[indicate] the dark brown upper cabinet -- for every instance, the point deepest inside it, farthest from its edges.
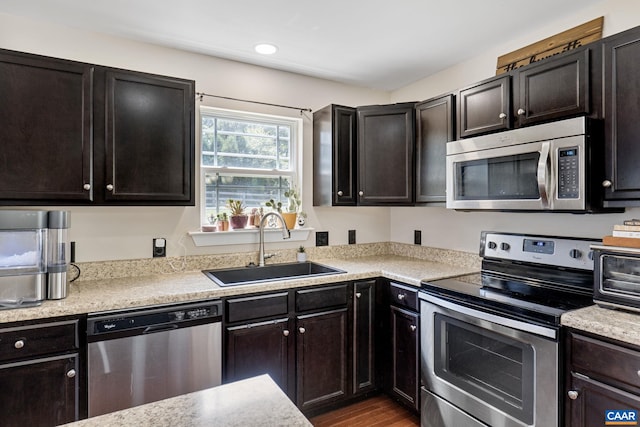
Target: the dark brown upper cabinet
(435, 126)
(621, 77)
(485, 107)
(79, 134)
(386, 141)
(334, 156)
(553, 89)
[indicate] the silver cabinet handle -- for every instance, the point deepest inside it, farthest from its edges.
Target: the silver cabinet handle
(340, 193)
(502, 116)
(110, 187)
(521, 112)
(19, 344)
(87, 187)
(360, 193)
(573, 395)
(413, 328)
(358, 294)
(606, 183)
(285, 333)
(401, 297)
(71, 373)
(302, 330)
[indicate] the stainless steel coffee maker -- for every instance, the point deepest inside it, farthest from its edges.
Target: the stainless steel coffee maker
(34, 250)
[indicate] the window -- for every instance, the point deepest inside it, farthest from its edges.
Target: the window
(246, 156)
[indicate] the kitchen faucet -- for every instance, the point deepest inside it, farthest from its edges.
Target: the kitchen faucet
(285, 235)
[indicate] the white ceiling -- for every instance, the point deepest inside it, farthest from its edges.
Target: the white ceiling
(382, 44)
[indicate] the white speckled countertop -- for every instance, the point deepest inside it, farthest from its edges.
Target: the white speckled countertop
(256, 401)
(613, 324)
(91, 296)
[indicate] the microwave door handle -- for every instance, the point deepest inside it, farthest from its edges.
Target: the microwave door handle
(543, 173)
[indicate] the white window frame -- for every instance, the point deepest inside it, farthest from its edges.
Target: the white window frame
(295, 155)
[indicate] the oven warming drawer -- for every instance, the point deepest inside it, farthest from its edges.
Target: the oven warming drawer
(437, 412)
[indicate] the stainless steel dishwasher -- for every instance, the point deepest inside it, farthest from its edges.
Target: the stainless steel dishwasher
(145, 355)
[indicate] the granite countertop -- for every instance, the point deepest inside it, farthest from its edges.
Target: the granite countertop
(121, 293)
(619, 325)
(256, 401)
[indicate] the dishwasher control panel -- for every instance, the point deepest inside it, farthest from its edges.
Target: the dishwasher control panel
(151, 319)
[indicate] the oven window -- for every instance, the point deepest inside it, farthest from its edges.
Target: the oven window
(508, 177)
(496, 369)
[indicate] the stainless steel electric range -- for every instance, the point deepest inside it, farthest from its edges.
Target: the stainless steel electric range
(490, 342)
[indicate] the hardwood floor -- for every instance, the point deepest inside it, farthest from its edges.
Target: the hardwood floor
(378, 411)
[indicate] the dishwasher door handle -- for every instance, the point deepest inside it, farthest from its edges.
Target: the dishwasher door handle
(159, 328)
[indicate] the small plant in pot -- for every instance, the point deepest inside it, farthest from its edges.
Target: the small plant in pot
(222, 223)
(301, 254)
(238, 219)
(295, 203)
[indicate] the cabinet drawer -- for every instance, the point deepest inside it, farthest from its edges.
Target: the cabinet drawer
(404, 296)
(325, 297)
(605, 362)
(255, 307)
(35, 340)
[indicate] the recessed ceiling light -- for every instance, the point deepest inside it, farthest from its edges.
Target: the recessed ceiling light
(266, 48)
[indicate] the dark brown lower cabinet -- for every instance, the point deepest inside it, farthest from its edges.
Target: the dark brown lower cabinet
(405, 356)
(321, 368)
(363, 339)
(259, 348)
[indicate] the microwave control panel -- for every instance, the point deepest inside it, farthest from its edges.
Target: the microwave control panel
(568, 173)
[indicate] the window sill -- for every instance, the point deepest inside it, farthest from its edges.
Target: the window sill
(246, 236)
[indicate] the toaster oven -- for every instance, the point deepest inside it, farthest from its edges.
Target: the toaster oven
(617, 277)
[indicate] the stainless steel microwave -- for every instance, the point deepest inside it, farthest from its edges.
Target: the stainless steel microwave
(546, 167)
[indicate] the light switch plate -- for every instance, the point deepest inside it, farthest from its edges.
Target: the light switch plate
(352, 237)
(159, 247)
(417, 237)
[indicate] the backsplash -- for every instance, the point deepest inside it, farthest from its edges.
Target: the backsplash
(171, 265)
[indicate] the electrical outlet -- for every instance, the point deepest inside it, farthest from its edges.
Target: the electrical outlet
(73, 252)
(352, 237)
(322, 238)
(417, 237)
(159, 247)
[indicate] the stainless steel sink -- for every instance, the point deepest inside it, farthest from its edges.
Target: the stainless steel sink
(268, 273)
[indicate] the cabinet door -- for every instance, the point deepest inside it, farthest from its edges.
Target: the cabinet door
(321, 368)
(40, 392)
(405, 355)
(259, 348)
(149, 137)
(386, 143)
(364, 302)
(45, 129)
(485, 107)
(334, 156)
(434, 128)
(621, 55)
(588, 400)
(553, 89)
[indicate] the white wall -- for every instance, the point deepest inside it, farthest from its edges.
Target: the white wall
(110, 233)
(461, 230)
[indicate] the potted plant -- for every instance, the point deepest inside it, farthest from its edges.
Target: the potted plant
(301, 255)
(223, 222)
(295, 203)
(237, 219)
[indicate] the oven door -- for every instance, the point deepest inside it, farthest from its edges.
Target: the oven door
(500, 371)
(544, 175)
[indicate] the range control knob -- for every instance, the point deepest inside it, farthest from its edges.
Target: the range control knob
(505, 246)
(575, 253)
(492, 245)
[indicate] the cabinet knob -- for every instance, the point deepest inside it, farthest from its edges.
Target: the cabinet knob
(71, 373)
(413, 328)
(19, 344)
(573, 394)
(606, 183)
(502, 116)
(358, 294)
(87, 187)
(302, 330)
(340, 193)
(110, 187)
(360, 193)
(285, 333)
(401, 296)
(521, 112)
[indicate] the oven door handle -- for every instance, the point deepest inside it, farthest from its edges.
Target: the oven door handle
(543, 174)
(500, 320)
